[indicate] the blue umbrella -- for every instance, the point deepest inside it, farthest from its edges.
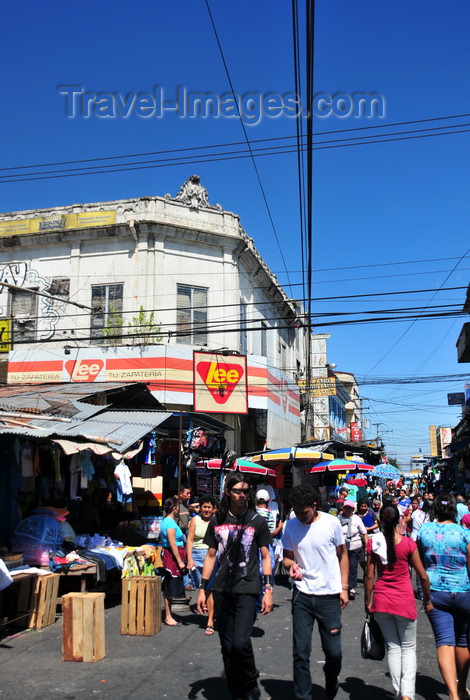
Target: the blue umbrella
(385, 471)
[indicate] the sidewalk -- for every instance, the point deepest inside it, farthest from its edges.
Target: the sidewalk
(182, 662)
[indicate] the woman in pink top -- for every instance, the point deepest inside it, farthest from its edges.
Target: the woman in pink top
(389, 555)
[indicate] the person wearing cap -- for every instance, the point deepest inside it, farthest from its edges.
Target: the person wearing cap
(273, 504)
(355, 535)
(263, 509)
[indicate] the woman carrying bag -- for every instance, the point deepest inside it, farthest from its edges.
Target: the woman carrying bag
(389, 556)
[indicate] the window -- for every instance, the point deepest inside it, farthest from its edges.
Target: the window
(282, 350)
(106, 317)
(243, 331)
(59, 287)
(24, 315)
(263, 340)
(191, 314)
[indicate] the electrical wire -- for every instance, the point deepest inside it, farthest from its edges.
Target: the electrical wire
(238, 143)
(258, 176)
(228, 155)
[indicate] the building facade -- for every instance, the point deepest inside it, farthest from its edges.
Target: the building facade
(127, 290)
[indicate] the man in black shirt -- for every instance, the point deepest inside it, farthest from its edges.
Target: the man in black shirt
(236, 537)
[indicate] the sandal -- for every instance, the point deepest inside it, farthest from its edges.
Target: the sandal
(209, 630)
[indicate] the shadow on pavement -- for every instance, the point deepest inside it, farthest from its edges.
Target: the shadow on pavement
(360, 690)
(209, 688)
(430, 688)
(426, 687)
(282, 690)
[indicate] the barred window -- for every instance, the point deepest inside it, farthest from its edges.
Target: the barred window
(24, 310)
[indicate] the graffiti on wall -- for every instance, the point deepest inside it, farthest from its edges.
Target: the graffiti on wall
(49, 310)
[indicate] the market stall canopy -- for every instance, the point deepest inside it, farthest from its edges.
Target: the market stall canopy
(109, 416)
(115, 429)
(338, 465)
(191, 419)
(385, 471)
(290, 455)
(70, 399)
(245, 466)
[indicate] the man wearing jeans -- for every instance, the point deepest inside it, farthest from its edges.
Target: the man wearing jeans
(316, 557)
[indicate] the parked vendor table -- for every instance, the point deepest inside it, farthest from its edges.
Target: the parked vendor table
(84, 572)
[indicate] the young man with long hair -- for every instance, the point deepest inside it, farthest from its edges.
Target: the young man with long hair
(236, 537)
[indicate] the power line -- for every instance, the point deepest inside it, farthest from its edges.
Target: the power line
(258, 177)
(293, 317)
(227, 155)
(414, 320)
(430, 379)
(216, 328)
(237, 143)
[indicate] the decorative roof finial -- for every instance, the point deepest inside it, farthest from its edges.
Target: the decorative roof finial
(193, 194)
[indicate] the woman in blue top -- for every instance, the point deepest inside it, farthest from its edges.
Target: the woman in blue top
(174, 558)
(445, 551)
(369, 517)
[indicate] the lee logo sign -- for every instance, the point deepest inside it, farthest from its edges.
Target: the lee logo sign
(220, 384)
(84, 370)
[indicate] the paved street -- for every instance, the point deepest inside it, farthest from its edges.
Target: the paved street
(183, 663)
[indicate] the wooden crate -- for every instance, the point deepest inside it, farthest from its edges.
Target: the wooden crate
(83, 634)
(45, 600)
(141, 605)
(36, 600)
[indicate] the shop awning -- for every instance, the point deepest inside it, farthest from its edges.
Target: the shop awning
(460, 445)
(110, 430)
(191, 419)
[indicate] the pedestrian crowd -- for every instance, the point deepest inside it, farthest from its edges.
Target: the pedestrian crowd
(230, 552)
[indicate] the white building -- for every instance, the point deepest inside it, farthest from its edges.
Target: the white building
(127, 290)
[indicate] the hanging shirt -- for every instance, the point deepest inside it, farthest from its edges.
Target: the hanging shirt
(122, 472)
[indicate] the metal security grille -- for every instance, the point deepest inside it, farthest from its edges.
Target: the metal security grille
(24, 315)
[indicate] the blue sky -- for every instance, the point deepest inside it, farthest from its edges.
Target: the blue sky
(387, 216)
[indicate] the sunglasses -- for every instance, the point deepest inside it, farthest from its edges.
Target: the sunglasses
(240, 491)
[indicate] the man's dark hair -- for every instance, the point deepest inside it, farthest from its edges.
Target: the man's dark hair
(234, 478)
(207, 498)
(304, 496)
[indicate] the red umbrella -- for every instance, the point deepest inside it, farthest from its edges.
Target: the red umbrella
(338, 465)
(245, 466)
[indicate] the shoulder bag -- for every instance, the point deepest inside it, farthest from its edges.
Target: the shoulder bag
(372, 641)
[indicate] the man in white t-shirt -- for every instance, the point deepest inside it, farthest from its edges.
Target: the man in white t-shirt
(316, 557)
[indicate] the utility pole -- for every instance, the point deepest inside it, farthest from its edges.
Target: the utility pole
(377, 432)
